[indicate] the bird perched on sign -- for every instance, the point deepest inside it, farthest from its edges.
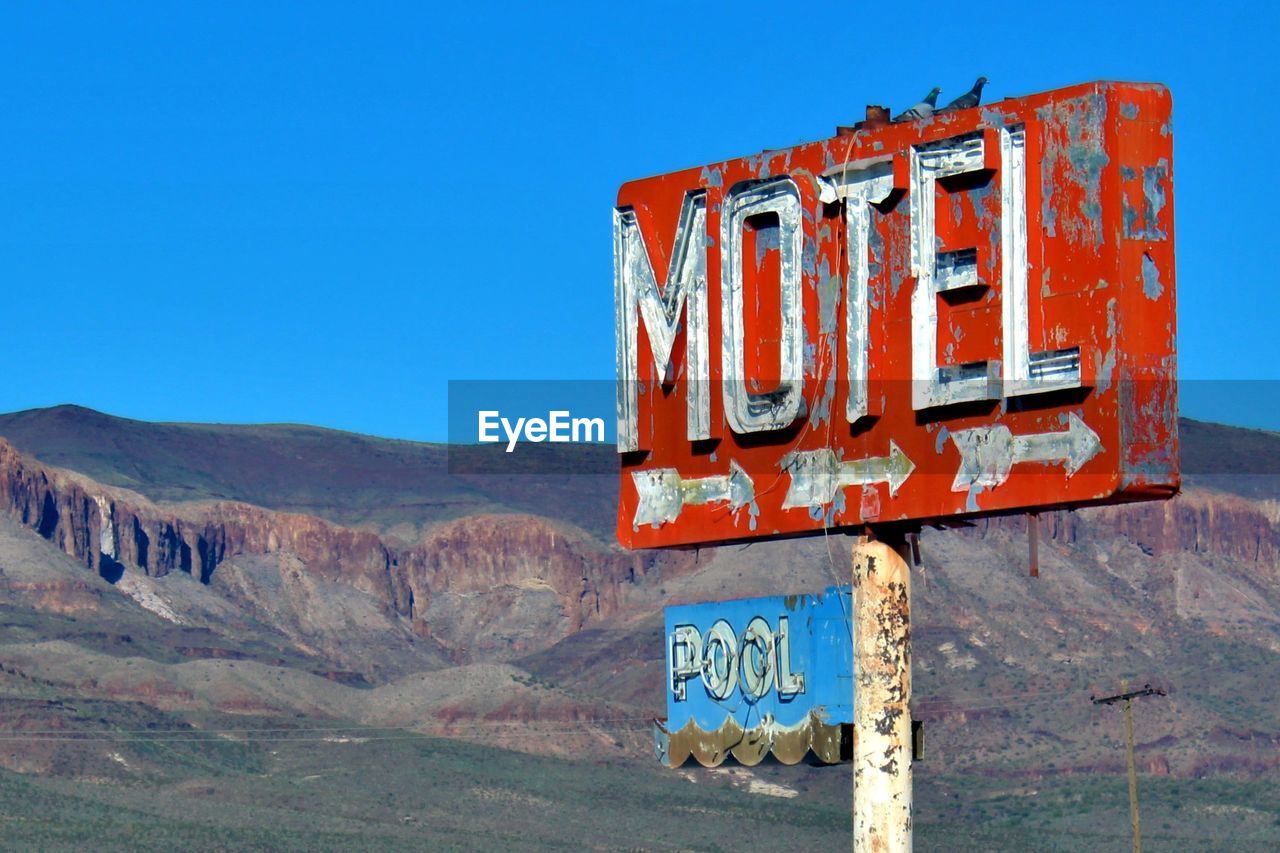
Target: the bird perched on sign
(924, 109)
(971, 98)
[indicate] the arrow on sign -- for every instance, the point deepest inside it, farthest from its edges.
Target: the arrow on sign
(988, 453)
(664, 493)
(817, 475)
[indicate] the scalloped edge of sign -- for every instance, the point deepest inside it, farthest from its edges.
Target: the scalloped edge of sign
(788, 744)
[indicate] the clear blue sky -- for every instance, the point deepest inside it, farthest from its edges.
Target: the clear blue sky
(320, 213)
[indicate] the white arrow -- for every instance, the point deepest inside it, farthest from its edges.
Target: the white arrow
(817, 475)
(664, 493)
(988, 453)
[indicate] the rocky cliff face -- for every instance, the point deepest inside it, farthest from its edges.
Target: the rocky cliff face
(508, 585)
(489, 561)
(1183, 593)
(1197, 521)
(499, 586)
(109, 529)
(495, 563)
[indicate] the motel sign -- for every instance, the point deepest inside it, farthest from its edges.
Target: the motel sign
(965, 315)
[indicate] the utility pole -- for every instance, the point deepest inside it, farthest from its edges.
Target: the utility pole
(1127, 699)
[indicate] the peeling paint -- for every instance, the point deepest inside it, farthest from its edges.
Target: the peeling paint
(1153, 192)
(936, 385)
(993, 116)
(1106, 366)
(861, 187)
(1082, 148)
(941, 440)
(1025, 299)
(1151, 285)
(637, 300)
(663, 493)
(882, 720)
(988, 454)
(747, 412)
(817, 476)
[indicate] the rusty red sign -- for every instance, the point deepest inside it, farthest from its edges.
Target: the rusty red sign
(962, 315)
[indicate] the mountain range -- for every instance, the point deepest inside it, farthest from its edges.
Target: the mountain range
(219, 583)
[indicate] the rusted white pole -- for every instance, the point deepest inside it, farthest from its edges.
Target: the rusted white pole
(882, 695)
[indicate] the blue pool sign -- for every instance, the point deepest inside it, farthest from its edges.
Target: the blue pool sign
(759, 675)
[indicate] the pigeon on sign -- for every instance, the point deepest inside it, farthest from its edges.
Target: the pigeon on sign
(924, 109)
(971, 98)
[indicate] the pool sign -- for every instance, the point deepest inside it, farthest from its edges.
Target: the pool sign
(759, 675)
(959, 316)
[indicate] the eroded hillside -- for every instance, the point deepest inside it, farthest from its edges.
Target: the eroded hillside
(529, 621)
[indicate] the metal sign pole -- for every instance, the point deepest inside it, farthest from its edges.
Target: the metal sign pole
(881, 701)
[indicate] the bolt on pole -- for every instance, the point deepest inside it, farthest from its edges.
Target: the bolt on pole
(882, 741)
